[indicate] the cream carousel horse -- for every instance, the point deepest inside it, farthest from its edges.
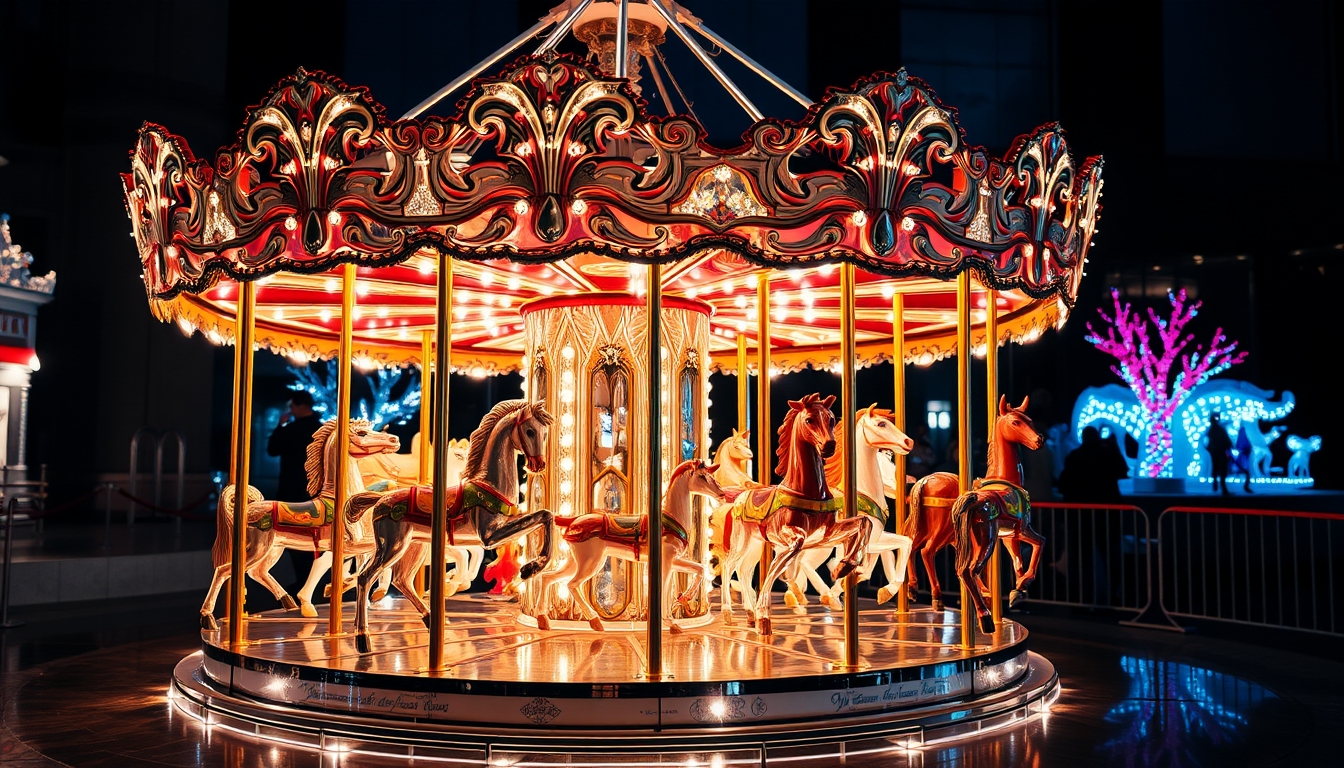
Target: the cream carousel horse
(481, 511)
(875, 432)
(731, 459)
(797, 514)
(594, 537)
(274, 526)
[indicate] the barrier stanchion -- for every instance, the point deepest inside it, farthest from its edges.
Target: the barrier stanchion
(5, 621)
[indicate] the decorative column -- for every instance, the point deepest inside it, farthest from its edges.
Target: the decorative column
(848, 395)
(764, 470)
(242, 432)
(898, 418)
(992, 400)
(964, 431)
(654, 311)
(438, 555)
(344, 370)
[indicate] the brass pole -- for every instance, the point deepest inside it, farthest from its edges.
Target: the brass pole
(426, 397)
(992, 399)
(344, 366)
(898, 418)
(654, 626)
(743, 383)
(764, 467)
(438, 555)
(964, 431)
(848, 410)
(242, 439)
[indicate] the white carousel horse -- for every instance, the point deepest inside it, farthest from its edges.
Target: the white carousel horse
(594, 537)
(731, 459)
(481, 511)
(875, 432)
(274, 526)
(1299, 464)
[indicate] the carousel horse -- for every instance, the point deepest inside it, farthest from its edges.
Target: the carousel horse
(875, 432)
(399, 470)
(998, 507)
(928, 523)
(274, 526)
(481, 511)
(731, 458)
(798, 514)
(594, 537)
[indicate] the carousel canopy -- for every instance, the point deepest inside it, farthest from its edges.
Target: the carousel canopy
(552, 178)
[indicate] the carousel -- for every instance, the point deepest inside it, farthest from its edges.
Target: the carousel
(558, 226)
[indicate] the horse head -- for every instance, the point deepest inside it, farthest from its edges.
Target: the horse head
(529, 435)
(1015, 426)
(367, 441)
(877, 428)
(810, 422)
(702, 480)
(735, 449)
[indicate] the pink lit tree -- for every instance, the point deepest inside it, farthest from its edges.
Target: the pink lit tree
(1161, 379)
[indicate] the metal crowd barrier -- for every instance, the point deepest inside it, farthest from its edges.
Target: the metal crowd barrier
(1251, 566)
(1246, 566)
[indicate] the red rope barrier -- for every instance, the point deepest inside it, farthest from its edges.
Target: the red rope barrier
(178, 512)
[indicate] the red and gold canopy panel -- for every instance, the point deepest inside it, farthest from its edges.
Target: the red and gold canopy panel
(299, 315)
(553, 179)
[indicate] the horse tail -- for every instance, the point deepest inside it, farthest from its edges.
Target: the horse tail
(961, 523)
(222, 551)
(360, 503)
(913, 508)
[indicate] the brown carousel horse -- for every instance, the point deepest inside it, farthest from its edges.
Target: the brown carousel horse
(798, 514)
(481, 511)
(998, 507)
(928, 523)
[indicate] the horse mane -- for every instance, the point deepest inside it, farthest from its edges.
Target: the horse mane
(835, 463)
(316, 451)
(682, 469)
(784, 451)
(992, 453)
(481, 436)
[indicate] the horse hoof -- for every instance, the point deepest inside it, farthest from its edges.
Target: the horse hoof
(362, 643)
(288, 603)
(728, 620)
(792, 601)
(544, 623)
(674, 628)
(208, 622)
(986, 624)
(378, 594)
(307, 611)
(827, 600)
(751, 619)
(326, 591)
(596, 624)
(530, 569)
(1015, 597)
(885, 594)
(764, 626)
(842, 570)
(937, 604)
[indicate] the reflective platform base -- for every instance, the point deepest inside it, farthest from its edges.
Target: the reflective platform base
(514, 694)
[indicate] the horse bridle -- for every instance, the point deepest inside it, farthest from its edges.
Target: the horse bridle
(525, 414)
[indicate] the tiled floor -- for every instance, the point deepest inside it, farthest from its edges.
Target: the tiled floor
(86, 687)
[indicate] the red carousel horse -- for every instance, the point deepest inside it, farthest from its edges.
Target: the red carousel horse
(998, 507)
(798, 514)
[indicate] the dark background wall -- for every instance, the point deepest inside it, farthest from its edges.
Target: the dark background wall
(1219, 122)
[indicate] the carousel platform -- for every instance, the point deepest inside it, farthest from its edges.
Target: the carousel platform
(512, 694)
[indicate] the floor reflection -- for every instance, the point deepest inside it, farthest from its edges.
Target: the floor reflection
(1176, 711)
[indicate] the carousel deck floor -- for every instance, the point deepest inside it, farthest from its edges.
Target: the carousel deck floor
(85, 686)
(483, 641)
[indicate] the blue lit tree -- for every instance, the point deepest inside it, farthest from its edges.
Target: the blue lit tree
(393, 397)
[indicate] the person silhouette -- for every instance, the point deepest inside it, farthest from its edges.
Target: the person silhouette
(1219, 445)
(1093, 470)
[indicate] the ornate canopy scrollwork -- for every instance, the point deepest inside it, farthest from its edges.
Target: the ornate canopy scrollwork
(552, 159)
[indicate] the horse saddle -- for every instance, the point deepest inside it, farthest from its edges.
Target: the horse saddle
(878, 512)
(313, 513)
(627, 530)
(1013, 499)
(756, 504)
(418, 504)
